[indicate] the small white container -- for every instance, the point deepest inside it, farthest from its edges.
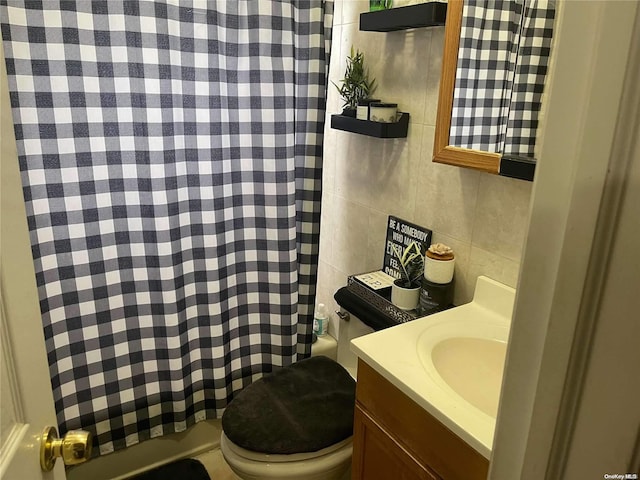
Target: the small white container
(320, 320)
(438, 271)
(405, 298)
(362, 111)
(383, 112)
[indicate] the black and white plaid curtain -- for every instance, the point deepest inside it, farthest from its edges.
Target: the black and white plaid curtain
(502, 65)
(171, 158)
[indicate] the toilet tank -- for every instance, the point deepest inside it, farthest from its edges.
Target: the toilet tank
(350, 327)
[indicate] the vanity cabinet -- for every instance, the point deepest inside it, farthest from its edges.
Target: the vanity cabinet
(396, 438)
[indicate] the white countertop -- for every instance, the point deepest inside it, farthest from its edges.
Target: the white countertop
(395, 354)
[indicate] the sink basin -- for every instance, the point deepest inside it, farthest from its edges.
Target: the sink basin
(466, 357)
(472, 367)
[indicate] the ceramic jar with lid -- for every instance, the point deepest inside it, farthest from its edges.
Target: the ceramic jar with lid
(383, 112)
(362, 112)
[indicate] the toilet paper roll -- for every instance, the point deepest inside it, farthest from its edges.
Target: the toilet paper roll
(439, 271)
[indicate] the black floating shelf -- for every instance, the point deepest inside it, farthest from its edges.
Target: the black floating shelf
(372, 129)
(515, 166)
(432, 14)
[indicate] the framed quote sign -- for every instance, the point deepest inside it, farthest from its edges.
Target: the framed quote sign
(400, 234)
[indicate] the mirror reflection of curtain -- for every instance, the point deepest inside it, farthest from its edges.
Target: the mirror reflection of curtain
(500, 76)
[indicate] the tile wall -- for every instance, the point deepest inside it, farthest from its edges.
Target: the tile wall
(482, 217)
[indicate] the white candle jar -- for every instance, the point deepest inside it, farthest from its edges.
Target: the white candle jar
(438, 271)
(362, 112)
(383, 112)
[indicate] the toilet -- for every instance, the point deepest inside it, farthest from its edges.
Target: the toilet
(297, 422)
(331, 463)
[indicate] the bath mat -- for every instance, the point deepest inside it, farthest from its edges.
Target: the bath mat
(186, 469)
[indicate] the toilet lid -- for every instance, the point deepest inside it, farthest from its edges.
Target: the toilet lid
(304, 407)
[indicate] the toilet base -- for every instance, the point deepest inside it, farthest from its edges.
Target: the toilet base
(333, 465)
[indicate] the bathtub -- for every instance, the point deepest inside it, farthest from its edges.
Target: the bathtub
(199, 438)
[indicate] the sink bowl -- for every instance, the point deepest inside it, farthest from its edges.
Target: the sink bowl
(466, 358)
(472, 367)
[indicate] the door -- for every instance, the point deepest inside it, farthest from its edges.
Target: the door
(377, 455)
(27, 401)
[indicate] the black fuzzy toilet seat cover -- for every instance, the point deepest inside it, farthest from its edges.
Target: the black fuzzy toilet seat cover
(302, 408)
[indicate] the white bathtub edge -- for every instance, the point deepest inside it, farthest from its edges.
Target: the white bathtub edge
(134, 460)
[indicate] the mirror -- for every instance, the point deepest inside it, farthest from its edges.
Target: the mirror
(493, 73)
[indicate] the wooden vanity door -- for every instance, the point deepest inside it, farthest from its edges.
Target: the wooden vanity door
(395, 438)
(377, 456)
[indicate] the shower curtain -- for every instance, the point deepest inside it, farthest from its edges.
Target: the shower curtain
(171, 155)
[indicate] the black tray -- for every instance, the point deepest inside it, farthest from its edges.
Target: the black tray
(398, 129)
(432, 14)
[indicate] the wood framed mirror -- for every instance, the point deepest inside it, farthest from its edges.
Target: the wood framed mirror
(529, 38)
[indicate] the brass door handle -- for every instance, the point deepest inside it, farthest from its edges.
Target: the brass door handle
(74, 447)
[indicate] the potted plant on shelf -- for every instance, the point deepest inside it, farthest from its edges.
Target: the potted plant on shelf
(375, 5)
(405, 291)
(355, 85)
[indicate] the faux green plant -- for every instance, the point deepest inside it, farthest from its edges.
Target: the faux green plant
(355, 85)
(411, 264)
(375, 5)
